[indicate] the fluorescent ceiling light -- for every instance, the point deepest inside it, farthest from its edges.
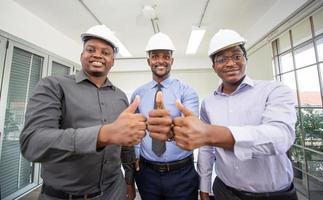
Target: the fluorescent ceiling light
(195, 40)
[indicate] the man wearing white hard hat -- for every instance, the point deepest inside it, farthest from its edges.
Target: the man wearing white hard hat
(76, 124)
(247, 125)
(165, 171)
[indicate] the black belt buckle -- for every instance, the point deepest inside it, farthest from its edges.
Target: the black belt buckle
(93, 196)
(164, 168)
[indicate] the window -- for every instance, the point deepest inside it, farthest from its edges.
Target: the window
(21, 67)
(25, 71)
(59, 69)
(300, 67)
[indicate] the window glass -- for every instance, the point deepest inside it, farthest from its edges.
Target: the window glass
(25, 72)
(314, 162)
(286, 62)
(301, 32)
(284, 42)
(304, 56)
(318, 22)
(315, 187)
(297, 157)
(309, 87)
(313, 128)
(59, 69)
(289, 79)
(319, 44)
(275, 65)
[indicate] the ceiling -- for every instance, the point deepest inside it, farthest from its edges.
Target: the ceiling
(252, 18)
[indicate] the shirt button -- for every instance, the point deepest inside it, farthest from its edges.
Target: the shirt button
(105, 120)
(102, 103)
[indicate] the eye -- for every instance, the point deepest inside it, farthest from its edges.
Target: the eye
(106, 53)
(221, 60)
(167, 57)
(154, 56)
(89, 49)
(237, 57)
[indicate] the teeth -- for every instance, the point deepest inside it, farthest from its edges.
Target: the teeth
(97, 63)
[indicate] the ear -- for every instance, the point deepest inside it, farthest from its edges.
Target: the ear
(112, 62)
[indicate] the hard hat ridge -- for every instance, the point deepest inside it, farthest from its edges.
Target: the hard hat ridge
(102, 32)
(223, 39)
(160, 41)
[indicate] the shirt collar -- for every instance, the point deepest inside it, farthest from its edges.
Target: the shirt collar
(247, 81)
(81, 76)
(165, 83)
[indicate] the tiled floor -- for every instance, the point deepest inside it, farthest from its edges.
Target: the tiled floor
(34, 195)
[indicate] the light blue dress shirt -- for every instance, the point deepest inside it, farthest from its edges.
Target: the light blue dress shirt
(172, 89)
(261, 116)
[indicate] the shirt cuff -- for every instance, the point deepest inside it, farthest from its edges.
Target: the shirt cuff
(205, 186)
(243, 142)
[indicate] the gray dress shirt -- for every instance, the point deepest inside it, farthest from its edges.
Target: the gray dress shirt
(63, 119)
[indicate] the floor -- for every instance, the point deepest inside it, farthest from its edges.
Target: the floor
(34, 194)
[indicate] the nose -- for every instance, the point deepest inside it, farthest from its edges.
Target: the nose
(230, 62)
(97, 54)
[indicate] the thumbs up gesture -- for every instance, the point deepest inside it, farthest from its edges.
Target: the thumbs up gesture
(128, 129)
(159, 122)
(189, 130)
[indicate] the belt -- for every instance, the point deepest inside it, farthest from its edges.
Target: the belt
(287, 193)
(168, 166)
(48, 190)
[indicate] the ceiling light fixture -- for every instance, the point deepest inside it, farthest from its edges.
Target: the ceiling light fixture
(195, 40)
(197, 34)
(149, 12)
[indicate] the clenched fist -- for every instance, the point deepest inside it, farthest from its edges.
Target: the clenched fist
(159, 123)
(127, 130)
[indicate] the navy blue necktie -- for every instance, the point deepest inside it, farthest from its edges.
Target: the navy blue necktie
(158, 146)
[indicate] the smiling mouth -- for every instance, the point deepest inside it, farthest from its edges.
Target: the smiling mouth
(97, 64)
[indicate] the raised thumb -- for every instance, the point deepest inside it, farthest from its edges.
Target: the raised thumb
(133, 106)
(186, 112)
(159, 100)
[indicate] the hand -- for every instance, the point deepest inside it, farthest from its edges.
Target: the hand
(204, 196)
(137, 165)
(189, 130)
(159, 121)
(127, 130)
(131, 192)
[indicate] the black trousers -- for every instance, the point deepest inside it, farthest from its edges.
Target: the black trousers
(179, 184)
(223, 192)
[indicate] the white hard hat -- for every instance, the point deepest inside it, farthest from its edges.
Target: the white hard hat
(160, 41)
(224, 39)
(102, 32)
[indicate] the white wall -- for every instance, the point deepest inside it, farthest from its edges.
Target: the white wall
(19, 22)
(203, 81)
(259, 64)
